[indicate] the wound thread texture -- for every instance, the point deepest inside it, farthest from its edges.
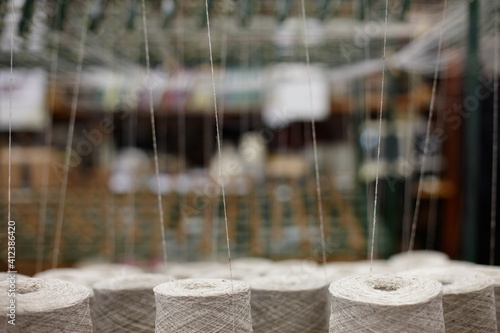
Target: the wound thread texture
(47, 306)
(126, 303)
(293, 303)
(386, 303)
(203, 305)
(468, 299)
(494, 273)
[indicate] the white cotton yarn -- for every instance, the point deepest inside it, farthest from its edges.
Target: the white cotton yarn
(188, 270)
(386, 303)
(417, 259)
(126, 303)
(109, 269)
(494, 273)
(339, 269)
(259, 266)
(74, 275)
(292, 267)
(47, 306)
(203, 305)
(468, 299)
(290, 303)
(239, 273)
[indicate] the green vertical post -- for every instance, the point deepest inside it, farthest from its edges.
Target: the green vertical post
(27, 15)
(404, 8)
(60, 18)
(323, 9)
(471, 138)
(361, 13)
(131, 15)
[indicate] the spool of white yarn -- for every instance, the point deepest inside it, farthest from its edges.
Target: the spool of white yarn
(468, 299)
(126, 303)
(235, 274)
(290, 304)
(494, 273)
(292, 267)
(203, 305)
(340, 269)
(259, 266)
(46, 306)
(251, 261)
(418, 259)
(109, 269)
(190, 270)
(74, 275)
(386, 303)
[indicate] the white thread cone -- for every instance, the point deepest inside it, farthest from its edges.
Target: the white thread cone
(46, 306)
(468, 299)
(386, 303)
(126, 303)
(417, 259)
(494, 273)
(190, 270)
(293, 303)
(71, 275)
(203, 305)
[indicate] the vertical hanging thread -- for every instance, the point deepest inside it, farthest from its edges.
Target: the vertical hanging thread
(374, 225)
(427, 133)
(315, 147)
(203, 305)
(386, 303)
(69, 140)
(153, 132)
(219, 139)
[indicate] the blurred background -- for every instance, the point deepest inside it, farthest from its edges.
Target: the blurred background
(265, 109)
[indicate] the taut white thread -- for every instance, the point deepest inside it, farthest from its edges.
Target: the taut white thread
(315, 148)
(153, 131)
(69, 140)
(379, 136)
(221, 181)
(427, 134)
(203, 305)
